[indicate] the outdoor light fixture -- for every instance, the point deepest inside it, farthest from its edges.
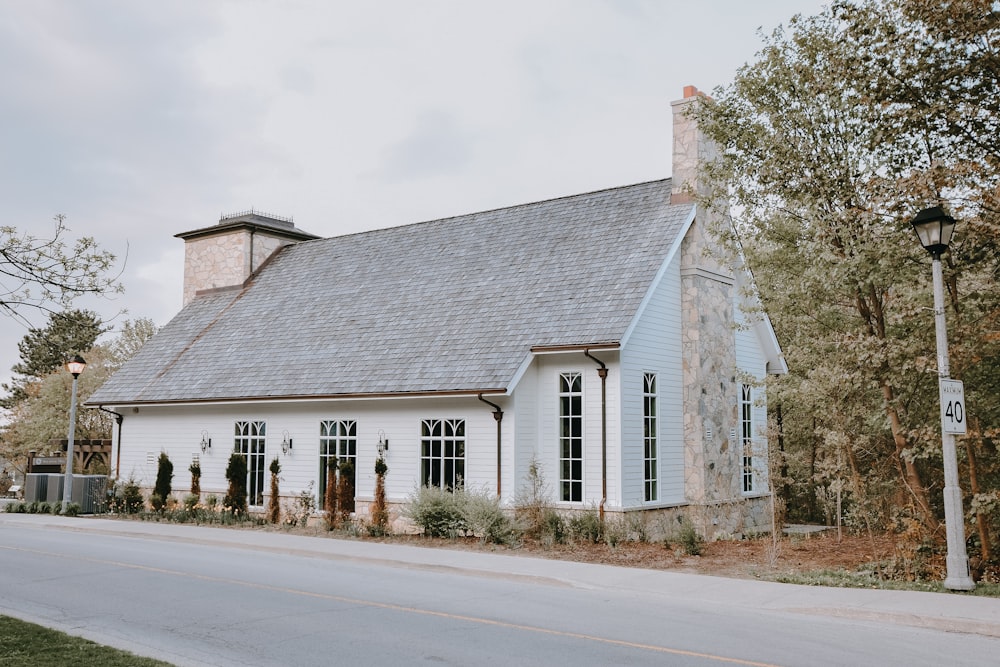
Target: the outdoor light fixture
(75, 366)
(286, 442)
(383, 443)
(934, 228)
(206, 442)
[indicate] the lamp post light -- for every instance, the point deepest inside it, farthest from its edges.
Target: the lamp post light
(934, 229)
(75, 366)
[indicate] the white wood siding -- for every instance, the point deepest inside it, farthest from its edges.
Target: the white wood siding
(655, 347)
(177, 430)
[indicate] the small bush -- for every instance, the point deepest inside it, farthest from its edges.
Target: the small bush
(21, 508)
(306, 505)
(164, 478)
(553, 528)
(484, 517)
(127, 498)
(274, 503)
(11, 508)
(235, 501)
(72, 509)
(379, 511)
(44, 508)
(586, 526)
(33, 507)
(689, 539)
(55, 508)
(195, 470)
(190, 501)
(157, 503)
(437, 511)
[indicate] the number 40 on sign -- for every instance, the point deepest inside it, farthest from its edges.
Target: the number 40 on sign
(952, 406)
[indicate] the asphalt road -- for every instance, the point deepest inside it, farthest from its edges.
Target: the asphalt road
(205, 596)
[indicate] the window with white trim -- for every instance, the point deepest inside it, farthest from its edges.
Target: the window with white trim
(338, 444)
(571, 437)
(746, 432)
(249, 441)
(650, 441)
(442, 453)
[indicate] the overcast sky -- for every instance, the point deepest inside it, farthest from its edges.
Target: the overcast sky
(139, 119)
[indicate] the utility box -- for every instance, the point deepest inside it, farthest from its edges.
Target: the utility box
(35, 487)
(54, 488)
(89, 493)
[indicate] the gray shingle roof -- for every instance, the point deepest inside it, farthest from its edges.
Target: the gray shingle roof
(448, 305)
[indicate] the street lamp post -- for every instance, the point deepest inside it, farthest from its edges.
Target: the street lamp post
(934, 229)
(75, 366)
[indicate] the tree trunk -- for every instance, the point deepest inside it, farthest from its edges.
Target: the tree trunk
(910, 474)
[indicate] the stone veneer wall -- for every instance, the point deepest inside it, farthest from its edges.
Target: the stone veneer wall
(712, 461)
(224, 259)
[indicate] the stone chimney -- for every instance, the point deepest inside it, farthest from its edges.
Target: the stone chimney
(691, 148)
(226, 254)
(712, 459)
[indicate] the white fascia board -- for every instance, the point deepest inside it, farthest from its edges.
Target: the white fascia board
(674, 249)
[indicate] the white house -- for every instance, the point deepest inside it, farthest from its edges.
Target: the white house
(592, 334)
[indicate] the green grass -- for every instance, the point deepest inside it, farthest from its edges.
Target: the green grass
(845, 579)
(23, 643)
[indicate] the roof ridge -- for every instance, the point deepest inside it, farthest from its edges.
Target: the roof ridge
(488, 210)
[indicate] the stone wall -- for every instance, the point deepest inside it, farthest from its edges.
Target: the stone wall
(225, 259)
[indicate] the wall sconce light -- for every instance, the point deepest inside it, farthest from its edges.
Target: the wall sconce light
(383, 443)
(206, 442)
(286, 442)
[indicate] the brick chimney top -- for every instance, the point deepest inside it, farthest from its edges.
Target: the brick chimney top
(692, 91)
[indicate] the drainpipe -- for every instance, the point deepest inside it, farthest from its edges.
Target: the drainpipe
(603, 373)
(498, 416)
(119, 418)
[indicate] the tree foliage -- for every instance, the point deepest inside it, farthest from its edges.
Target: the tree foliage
(47, 273)
(45, 349)
(842, 129)
(41, 415)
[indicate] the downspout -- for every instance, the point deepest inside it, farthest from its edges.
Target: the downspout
(603, 373)
(119, 418)
(498, 416)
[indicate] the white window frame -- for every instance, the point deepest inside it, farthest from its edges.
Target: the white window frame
(748, 475)
(570, 433)
(338, 440)
(250, 440)
(650, 438)
(442, 453)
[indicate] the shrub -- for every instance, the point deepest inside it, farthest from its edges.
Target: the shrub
(553, 527)
(330, 494)
(345, 491)
(306, 503)
(11, 508)
(44, 508)
(235, 501)
(587, 526)
(531, 502)
(379, 512)
(689, 538)
(72, 509)
(274, 504)
(156, 503)
(195, 470)
(437, 511)
(484, 517)
(131, 497)
(33, 507)
(190, 501)
(55, 508)
(164, 477)
(22, 508)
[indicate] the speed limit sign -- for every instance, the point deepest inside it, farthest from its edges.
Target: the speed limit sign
(952, 406)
